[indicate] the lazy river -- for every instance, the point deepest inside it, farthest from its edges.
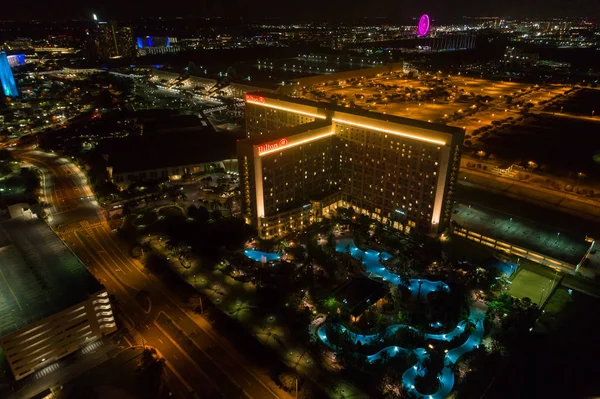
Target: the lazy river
(371, 259)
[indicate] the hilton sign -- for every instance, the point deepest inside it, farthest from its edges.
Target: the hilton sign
(271, 146)
(256, 99)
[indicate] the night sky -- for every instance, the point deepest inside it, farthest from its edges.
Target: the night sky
(293, 9)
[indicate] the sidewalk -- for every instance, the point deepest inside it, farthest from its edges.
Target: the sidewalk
(235, 299)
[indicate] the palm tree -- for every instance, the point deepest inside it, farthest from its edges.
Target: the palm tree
(331, 242)
(229, 204)
(172, 246)
(404, 280)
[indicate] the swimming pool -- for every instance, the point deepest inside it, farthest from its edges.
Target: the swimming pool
(371, 259)
(260, 256)
(446, 378)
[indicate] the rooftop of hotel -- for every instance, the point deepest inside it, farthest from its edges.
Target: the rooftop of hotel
(39, 276)
(420, 124)
(287, 132)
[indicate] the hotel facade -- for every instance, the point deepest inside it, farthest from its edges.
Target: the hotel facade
(302, 160)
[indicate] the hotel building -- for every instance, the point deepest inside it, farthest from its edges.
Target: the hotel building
(303, 159)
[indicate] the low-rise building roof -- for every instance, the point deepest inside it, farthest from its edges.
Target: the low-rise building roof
(141, 153)
(39, 275)
(359, 293)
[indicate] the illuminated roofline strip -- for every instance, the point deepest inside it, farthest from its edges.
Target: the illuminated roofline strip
(297, 143)
(286, 109)
(410, 136)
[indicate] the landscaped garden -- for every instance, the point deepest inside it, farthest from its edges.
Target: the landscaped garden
(346, 298)
(405, 340)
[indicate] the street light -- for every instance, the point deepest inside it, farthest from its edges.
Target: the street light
(199, 297)
(541, 296)
(580, 175)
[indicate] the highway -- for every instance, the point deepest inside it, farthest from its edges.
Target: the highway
(206, 365)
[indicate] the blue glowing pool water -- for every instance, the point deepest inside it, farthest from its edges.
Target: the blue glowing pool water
(371, 259)
(446, 378)
(259, 256)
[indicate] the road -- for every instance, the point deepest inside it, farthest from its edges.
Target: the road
(206, 366)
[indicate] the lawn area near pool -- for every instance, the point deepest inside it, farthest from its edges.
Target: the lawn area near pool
(173, 211)
(145, 218)
(531, 285)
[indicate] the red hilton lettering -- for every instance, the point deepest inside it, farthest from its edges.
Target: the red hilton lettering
(271, 146)
(258, 99)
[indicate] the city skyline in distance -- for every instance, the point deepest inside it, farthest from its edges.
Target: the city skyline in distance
(306, 10)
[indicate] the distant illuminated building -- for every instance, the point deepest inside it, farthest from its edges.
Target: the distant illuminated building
(21, 43)
(303, 159)
(111, 40)
(16, 60)
(155, 41)
(9, 87)
(156, 45)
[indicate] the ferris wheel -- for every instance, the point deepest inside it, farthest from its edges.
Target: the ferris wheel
(423, 27)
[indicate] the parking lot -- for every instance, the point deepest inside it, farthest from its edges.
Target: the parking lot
(456, 100)
(528, 234)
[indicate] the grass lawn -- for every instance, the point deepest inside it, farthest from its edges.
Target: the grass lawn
(170, 211)
(529, 284)
(555, 305)
(145, 218)
(536, 268)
